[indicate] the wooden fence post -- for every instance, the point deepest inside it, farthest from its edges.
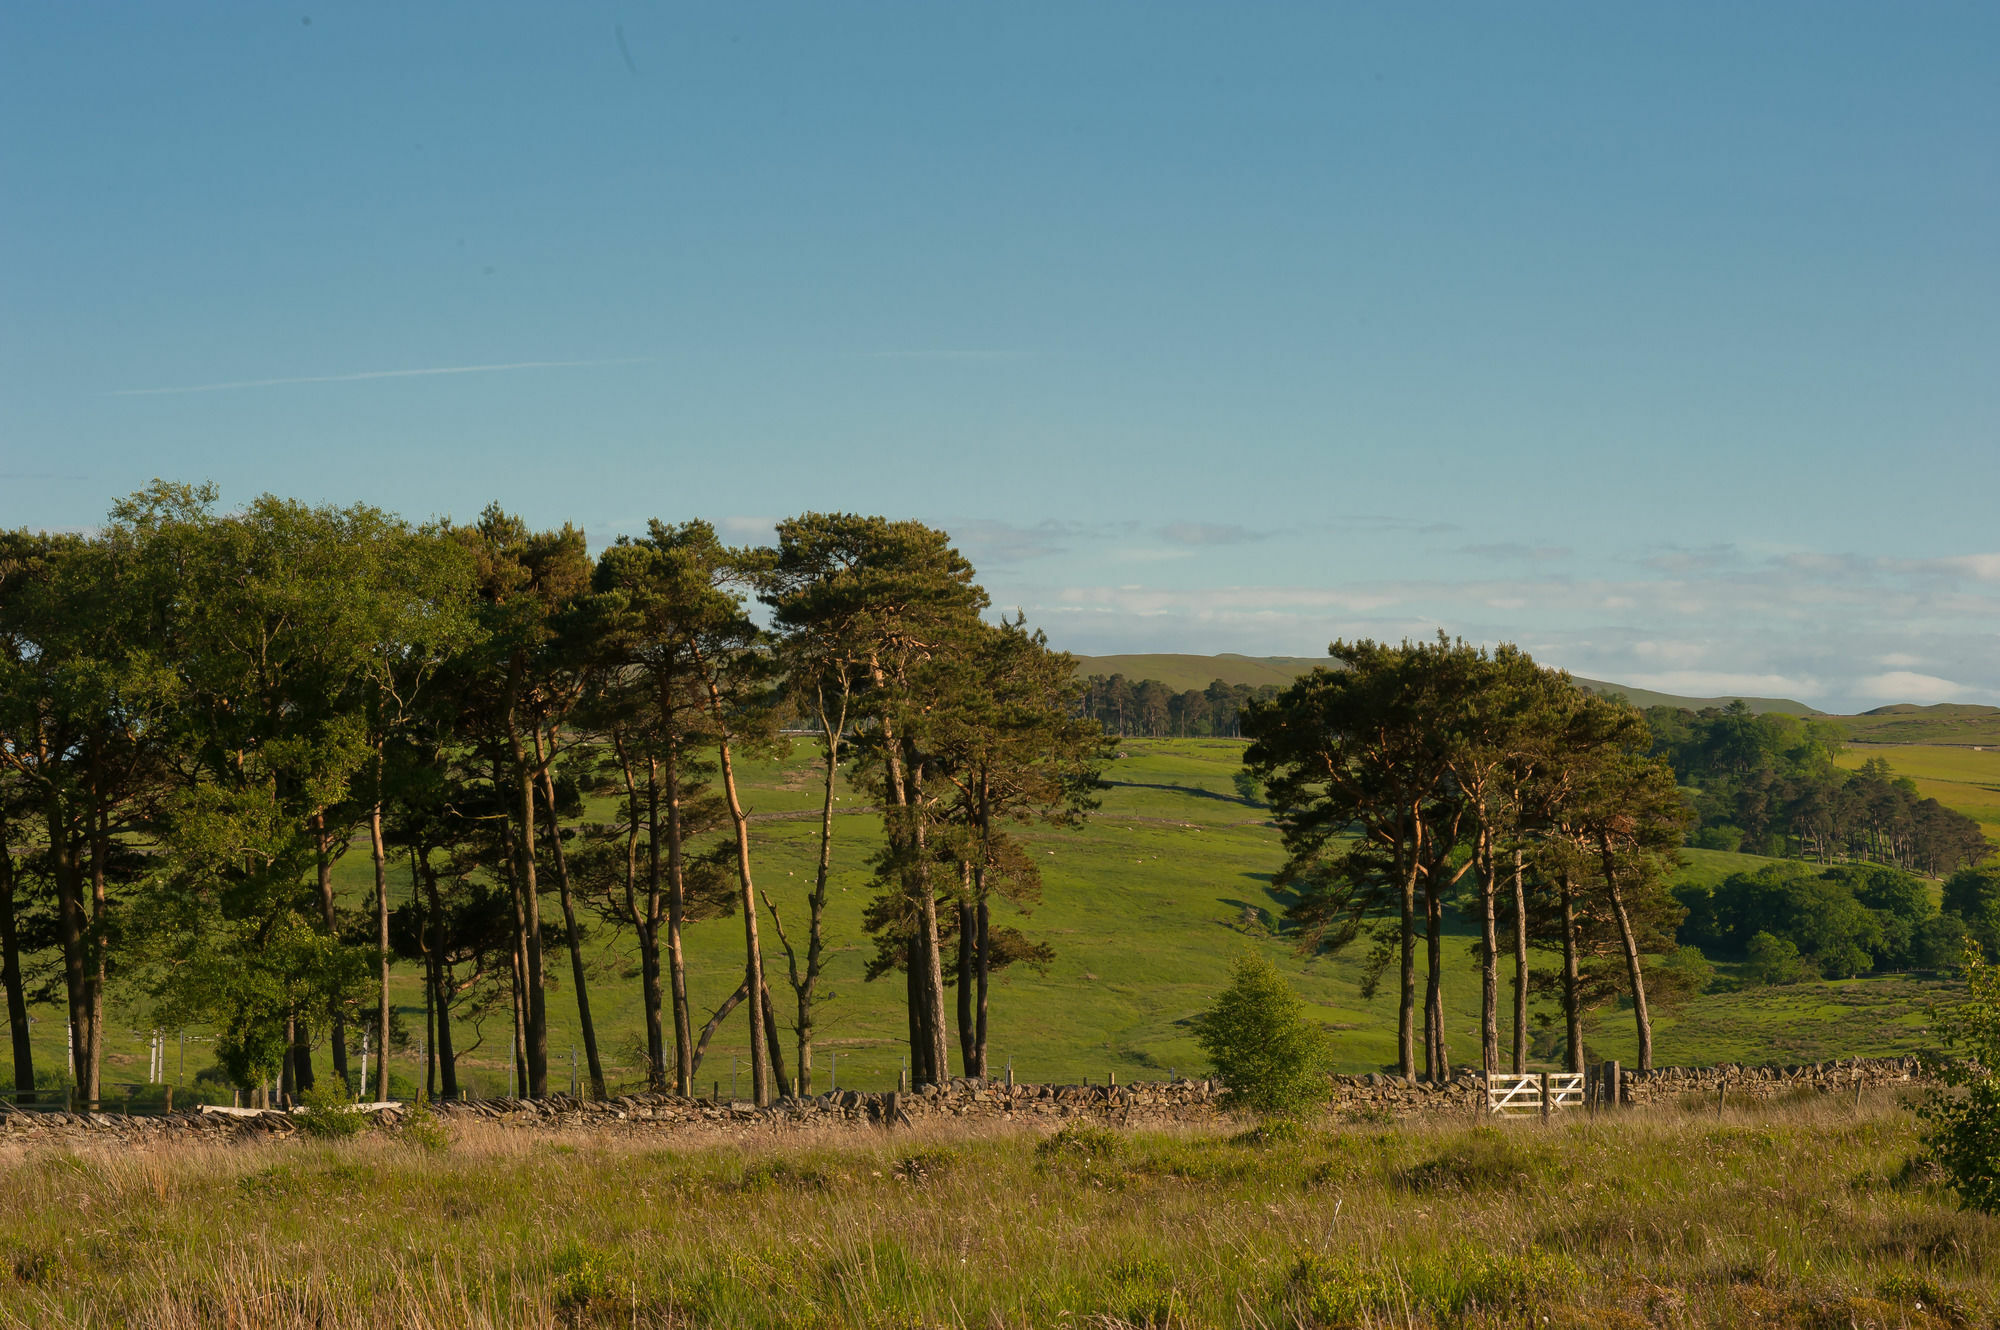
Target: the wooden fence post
(1614, 1084)
(1721, 1092)
(1545, 1097)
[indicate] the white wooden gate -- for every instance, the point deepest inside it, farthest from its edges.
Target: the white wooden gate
(1513, 1094)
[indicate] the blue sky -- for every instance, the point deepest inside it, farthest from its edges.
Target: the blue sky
(1663, 340)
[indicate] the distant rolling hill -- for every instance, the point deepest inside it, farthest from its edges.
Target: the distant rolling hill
(1944, 723)
(1182, 672)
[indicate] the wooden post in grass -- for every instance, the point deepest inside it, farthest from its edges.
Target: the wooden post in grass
(1611, 1084)
(1721, 1091)
(170, 1099)
(1545, 1096)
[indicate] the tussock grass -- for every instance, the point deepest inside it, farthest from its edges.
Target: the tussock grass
(1791, 1215)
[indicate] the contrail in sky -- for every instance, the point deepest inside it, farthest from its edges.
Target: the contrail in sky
(377, 374)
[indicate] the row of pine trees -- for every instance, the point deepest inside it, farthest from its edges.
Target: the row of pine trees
(202, 712)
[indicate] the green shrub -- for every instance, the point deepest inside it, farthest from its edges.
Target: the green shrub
(1271, 1056)
(330, 1112)
(581, 1275)
(425, 1129)
(1962, 1116)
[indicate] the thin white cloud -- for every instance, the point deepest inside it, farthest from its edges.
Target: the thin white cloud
(427, 372)
(1723, 683)
(967, 353)
(1910, 686)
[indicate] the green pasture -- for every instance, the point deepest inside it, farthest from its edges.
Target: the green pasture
(1144, 906)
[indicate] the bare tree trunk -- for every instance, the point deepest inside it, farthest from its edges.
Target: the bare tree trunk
(753, 965)
(806, 986)
(1489, 960)
(1572, 1003)
(684, 1055)
(1520, 969)
(968, 928)
(985, 969)
(520, 1023)
(1406, 1010)
(100, 849)
(74, 933)
(699, 1049)
(646, 919)
(10, 977)
(588, 1029)
(323, 869)
(537, 1033)
(1634, 972)
(1437, 1057)
(381, 941)
(774, 1045)
(929, 949)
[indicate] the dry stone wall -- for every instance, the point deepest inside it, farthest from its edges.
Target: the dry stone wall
(1374, 1097)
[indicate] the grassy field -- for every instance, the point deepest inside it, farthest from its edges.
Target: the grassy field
(1805, 1214)
(1145, 907)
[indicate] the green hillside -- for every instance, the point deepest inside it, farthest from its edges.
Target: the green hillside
(1182, 672)
(1944, 723)
(1145, 907)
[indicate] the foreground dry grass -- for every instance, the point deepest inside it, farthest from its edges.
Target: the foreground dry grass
(1807, 1214)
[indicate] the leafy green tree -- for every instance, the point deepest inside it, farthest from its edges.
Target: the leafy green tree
(1013, 750)
(921, 607)
(1973, 896)
(1775, 960)
(86, 704)
(1962, 1117)
(1273, 1058)
(1356, 773)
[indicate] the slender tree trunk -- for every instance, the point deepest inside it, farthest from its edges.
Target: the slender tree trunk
(774, 1045)
(447, 1056)
(698, 1049)
(10, 977)
(520, 1025)
(831, 728)
(1634, 972)
(1572, 1003)
(932, 975)
(968, 929)
(1406, 1010)
(589, 1030)
(684, 1058)
(753, 970)
(1489, 959)
(100, 850)
(645, 919)
(1520, 969)
(323, 868)
(985, 969)
(288, 1064)
(74, 933)
(531, 896)
(382, 1022)
(1437, 1056)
